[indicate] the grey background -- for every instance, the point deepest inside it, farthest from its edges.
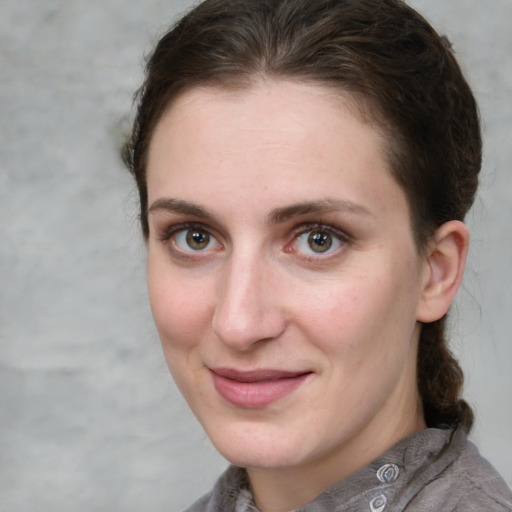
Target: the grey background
(89, 417)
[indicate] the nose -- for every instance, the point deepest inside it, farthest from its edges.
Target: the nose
(248, 304)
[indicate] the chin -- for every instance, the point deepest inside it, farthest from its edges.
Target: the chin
(260, 457)
(259, 446)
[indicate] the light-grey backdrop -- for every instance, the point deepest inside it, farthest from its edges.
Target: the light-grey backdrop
(89, 417)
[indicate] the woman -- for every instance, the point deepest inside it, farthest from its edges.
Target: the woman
(304, 169)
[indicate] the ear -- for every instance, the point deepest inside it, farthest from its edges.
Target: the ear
(445, 263)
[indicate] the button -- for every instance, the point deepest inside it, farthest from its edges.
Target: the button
(378, 504)
(388, 473)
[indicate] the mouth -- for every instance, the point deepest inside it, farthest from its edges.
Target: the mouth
(255, 388)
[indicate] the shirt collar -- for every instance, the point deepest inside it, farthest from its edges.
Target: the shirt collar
(392, 478)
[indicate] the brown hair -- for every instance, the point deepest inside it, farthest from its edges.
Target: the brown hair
(404, 78)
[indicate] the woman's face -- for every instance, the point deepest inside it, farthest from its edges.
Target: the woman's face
(283, 275)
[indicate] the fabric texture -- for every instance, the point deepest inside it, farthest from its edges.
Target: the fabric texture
(433, 470)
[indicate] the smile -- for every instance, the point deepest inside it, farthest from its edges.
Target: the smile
(258, 388)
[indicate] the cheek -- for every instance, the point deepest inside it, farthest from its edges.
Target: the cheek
(180, 308)
(361, 319)
(339, 307)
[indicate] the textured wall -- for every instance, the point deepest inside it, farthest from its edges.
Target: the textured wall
(89, 418)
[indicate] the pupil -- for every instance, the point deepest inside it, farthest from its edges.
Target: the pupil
(320, 242)
(197, 239)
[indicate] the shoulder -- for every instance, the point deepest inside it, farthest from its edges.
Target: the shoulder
(468, 483)
(479, 500)
(482, 488)
(201, 505)
(226, 495)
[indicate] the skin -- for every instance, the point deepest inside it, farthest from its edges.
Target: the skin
(253, 174)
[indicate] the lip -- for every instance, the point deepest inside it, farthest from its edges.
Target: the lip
(255, 388)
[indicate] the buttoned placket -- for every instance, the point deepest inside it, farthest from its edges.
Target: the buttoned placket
(386, 474)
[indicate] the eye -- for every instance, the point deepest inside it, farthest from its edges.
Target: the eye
(194, 239)
(319, 241)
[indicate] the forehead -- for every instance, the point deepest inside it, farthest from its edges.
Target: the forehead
(288, 93)
(273, 111)
(284, 140)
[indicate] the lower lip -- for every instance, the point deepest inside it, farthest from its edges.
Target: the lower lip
(256, 394)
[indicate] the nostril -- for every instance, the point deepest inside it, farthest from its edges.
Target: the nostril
(243, 331)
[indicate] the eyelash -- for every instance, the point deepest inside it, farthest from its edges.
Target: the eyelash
(172, 231)
(169, 234)
(341, 236)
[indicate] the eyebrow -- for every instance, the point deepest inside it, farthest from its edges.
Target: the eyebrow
(178, 206)
(280, 215)
(275, 216)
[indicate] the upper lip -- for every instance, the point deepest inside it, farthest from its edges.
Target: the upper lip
(259, 375)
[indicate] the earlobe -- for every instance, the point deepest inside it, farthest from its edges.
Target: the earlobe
(445, 263)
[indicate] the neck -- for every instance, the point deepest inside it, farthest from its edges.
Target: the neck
(285, 489)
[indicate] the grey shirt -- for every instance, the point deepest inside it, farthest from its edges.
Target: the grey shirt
(431, 471)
